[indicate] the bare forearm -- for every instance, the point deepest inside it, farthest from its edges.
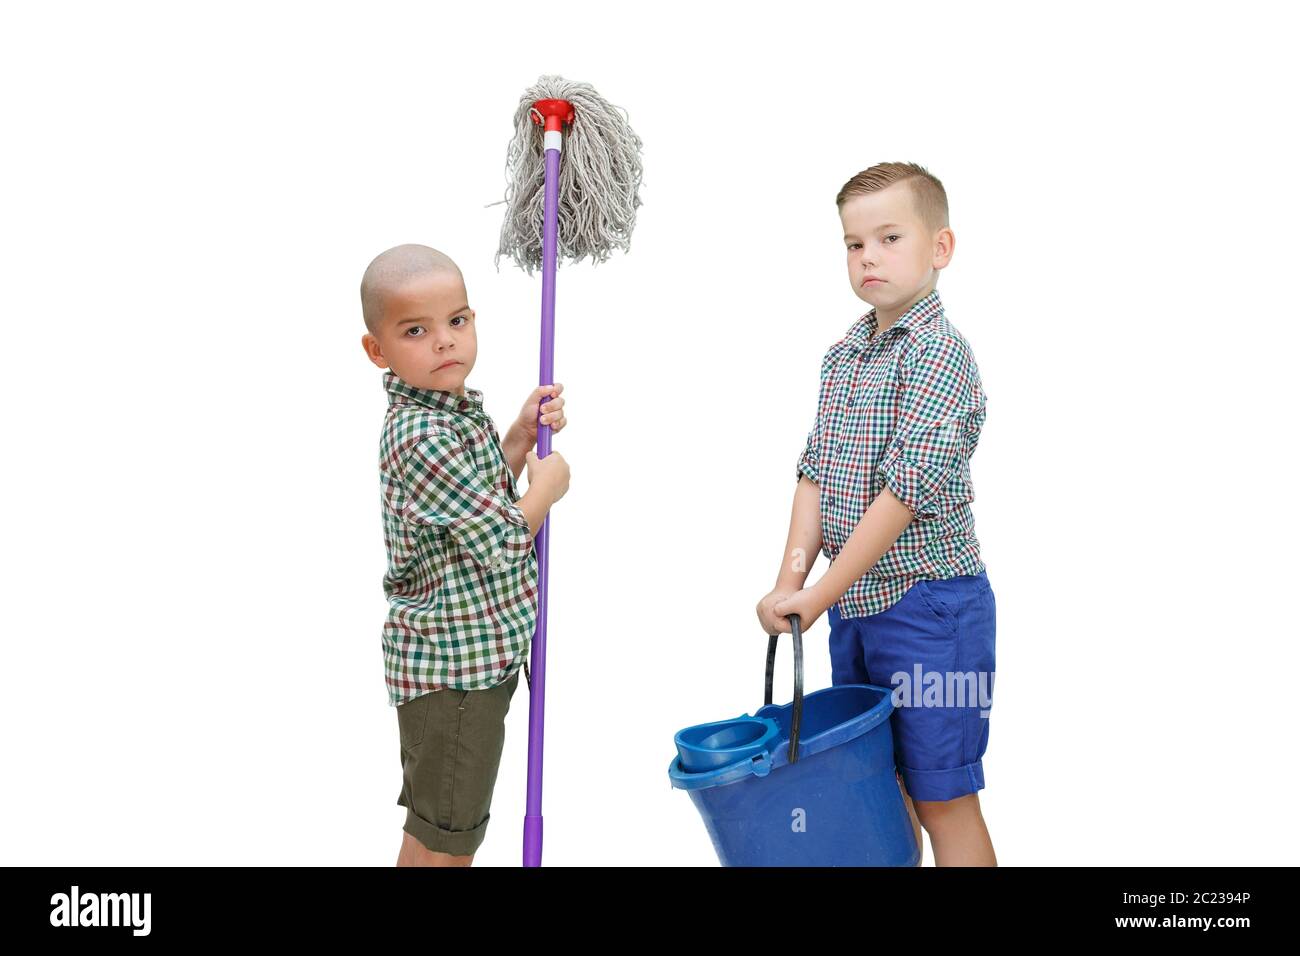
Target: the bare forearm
(804, 541)
(535, 503)
(875, 534)
(516, 447)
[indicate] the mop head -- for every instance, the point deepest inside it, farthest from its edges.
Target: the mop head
(600, 172)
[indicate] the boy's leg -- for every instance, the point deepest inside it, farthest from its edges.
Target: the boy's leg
(916, 821)
(945, 630)
(451, 750)
(414, 853)
(848, 666)
(958, 835)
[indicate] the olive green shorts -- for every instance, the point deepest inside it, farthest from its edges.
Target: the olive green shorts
(451, 749)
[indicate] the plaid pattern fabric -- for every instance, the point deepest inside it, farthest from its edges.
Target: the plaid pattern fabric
(903, 410)
(462, 573)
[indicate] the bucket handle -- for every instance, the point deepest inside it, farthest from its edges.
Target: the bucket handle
(797, 711)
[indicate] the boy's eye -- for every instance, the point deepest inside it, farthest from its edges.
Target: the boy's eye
(415, 328)
(460, 318)
(855, 245)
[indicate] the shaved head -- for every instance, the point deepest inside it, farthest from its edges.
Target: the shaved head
(394, 268)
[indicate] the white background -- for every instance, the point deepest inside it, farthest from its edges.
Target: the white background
(193, 555)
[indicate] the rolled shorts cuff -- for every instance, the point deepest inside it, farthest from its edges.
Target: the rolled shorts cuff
(435, 838)
(943, 784)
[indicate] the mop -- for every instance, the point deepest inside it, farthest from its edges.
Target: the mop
(585, 206)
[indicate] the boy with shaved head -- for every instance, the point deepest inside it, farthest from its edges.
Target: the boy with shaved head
(884, 491)
(462, 577)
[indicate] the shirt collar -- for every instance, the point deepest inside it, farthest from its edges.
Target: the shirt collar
(921, 312)
(403, 393)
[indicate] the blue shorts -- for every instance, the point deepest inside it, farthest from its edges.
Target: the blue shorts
(934, 648)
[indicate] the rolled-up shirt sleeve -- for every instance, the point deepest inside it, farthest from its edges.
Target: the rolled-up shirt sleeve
(808, 460)
(941, 406)
(444, 489)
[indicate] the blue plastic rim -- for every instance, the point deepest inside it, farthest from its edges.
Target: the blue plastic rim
(724, 742)
(832, 716)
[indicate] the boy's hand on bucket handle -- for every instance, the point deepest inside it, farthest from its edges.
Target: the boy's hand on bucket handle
(772, 622)
(807, 603)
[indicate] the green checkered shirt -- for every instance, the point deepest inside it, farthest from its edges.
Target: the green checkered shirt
(903, 410)
(462, 575)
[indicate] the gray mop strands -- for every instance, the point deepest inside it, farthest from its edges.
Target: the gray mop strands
(600, 173)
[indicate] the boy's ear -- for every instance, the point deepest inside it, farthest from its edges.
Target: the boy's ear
(945, 243)
(373, 351)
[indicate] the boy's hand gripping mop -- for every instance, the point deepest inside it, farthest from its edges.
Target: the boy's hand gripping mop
(587, 207)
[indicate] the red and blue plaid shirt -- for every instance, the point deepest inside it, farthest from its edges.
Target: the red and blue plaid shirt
(900, 409)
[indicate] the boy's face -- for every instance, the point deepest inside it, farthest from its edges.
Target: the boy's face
(426, 334)
(883, 237)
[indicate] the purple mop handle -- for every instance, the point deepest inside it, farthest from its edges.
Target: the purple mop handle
(537, 685)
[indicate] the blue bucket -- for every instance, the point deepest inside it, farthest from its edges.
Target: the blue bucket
(809, 783)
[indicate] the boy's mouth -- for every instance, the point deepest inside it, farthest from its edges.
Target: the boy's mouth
(447, 365)
(872, 280)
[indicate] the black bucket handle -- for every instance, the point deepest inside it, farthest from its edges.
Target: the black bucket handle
(797, 711)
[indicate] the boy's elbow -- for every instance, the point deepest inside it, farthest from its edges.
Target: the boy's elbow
(511, 545)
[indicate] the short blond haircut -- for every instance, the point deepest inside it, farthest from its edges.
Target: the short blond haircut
(392, 269)
(928, 196)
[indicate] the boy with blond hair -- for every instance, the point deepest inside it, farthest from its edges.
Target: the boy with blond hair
(884, 491)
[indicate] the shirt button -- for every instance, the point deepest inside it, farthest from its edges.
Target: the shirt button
(463, 405)
(851, 401)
